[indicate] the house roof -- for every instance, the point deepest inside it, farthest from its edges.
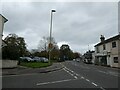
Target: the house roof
(5, 20)
(109, 40)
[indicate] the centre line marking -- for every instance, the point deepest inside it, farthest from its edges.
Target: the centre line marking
(68, 72)
(94, 84)
(102, 88)
(77, 74)
(87, 80)
(82, 77)
(75, 77)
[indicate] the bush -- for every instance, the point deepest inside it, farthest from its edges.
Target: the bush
(35, 64)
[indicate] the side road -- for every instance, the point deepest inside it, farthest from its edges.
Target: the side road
(25, 70)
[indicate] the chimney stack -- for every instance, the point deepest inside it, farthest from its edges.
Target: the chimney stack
(102, 38)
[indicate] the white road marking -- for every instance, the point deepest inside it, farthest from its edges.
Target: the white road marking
(102, 88)
(68, 72)
(94, 84)
(55, 82)
(77, 74)
(87, 80)
(109, 73)
(82, 77)
(75, 77)
(72, 71)
(102, 72)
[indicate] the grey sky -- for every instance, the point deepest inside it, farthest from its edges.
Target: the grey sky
(78, 24)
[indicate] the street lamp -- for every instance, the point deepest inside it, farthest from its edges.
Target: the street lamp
(50, 44)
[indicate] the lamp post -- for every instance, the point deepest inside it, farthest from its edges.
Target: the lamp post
(50, 44)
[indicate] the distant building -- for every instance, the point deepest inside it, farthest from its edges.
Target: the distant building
(88, 57)
(93, 57)
(108, 51)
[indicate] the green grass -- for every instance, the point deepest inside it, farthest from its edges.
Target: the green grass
(35, 64)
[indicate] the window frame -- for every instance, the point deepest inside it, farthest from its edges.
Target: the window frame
(114, 44)
(97, 49)
(115, 60)
(104, 47)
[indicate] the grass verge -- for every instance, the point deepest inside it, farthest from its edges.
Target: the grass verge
(35, 64)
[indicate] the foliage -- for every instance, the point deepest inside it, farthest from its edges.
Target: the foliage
(65, 52)
(35, 64)
(76, 55)
(44, 43)
(55, 54)
(15, 47)
(43, 48)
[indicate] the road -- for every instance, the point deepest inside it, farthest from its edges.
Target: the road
(72, 75)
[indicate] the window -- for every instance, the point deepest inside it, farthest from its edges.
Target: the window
(104, 47)
(115, 59)
(113, 44)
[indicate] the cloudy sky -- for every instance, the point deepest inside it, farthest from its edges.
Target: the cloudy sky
(78, 24)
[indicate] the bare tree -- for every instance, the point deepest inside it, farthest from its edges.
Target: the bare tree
(44, 42)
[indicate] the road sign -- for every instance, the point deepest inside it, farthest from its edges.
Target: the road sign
(50, 46)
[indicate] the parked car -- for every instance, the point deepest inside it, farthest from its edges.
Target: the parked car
(26, 59)
(37, 59)
(43, 59)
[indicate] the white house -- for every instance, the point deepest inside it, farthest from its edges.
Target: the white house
(4, 63)
(108, 51)
(2, 21)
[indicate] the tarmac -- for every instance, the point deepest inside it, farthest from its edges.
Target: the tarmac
(25, 70)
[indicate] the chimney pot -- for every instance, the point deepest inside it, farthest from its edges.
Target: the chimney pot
(102, 38)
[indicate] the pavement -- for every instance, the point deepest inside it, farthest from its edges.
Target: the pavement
(24, 70)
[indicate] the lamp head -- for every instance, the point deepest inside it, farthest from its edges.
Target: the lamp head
(53, 11)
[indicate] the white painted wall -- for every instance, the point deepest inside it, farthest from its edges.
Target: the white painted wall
(119, 52)
(1, 31)
(9, 63)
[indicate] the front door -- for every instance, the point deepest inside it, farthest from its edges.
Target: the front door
(104, 60)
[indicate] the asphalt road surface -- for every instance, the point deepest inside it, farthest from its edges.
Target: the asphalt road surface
(72, 75)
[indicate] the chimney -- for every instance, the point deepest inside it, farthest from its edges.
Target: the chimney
(102, 38)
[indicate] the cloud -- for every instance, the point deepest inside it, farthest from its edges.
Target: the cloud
(78, 24)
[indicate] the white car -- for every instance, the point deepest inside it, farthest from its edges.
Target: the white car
(29, 59)
(37, 59)
(26, 58)
(43, 59)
